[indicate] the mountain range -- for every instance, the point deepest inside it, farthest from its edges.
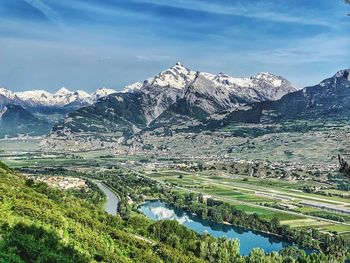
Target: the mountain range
(62, 98)
(35, 112)
(177, 98)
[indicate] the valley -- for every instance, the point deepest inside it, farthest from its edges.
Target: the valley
(245, 155)
(300, 194)
(155, 131)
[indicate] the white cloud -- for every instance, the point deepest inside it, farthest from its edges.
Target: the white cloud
(46, 10)
(244, 9)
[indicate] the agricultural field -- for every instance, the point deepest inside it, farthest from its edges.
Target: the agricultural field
(266, 197)
(19, 145)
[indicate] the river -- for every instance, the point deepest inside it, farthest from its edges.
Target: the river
(112, 199)
(158, 210)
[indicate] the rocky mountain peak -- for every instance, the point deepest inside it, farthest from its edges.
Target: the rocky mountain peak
(268, 77)
(265, 75)
(63, 91)
(102, 92)
(5, 92)
(177, 77)
(81, 94)
(179, 64)
(345, 73)
(133, 87)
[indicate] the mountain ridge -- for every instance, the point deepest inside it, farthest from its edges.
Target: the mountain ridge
(180, 94)
(41, 98)
(198, 106)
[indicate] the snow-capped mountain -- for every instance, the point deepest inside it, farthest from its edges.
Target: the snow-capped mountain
(178, 77)
(100, 93)
(177, 97)
(262, 86)
(41, 98)
(36, 111)
(206, 92)
(326, 101)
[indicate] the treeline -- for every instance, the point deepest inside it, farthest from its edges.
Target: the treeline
(335, 217)
(202, 246)
(223, 250)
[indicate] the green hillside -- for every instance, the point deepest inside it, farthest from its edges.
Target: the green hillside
(41, 224)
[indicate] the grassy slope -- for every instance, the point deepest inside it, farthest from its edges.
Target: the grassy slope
(40, 224)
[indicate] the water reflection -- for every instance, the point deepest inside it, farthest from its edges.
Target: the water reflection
(158, 210)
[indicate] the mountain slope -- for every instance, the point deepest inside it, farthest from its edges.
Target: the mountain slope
(327, 100)
(15, 120)
(117, 113)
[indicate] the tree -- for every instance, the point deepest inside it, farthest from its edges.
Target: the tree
(201, 198)
(344, 166)
(174, 240)
(213, 250)
(274, 224)
(203, 247)
(233, 248)
(257, 255)
(223, 253)
(35, 244)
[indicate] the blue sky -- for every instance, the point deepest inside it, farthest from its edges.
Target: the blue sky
(86, 44)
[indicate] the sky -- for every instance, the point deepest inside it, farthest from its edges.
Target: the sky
(87, 44)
